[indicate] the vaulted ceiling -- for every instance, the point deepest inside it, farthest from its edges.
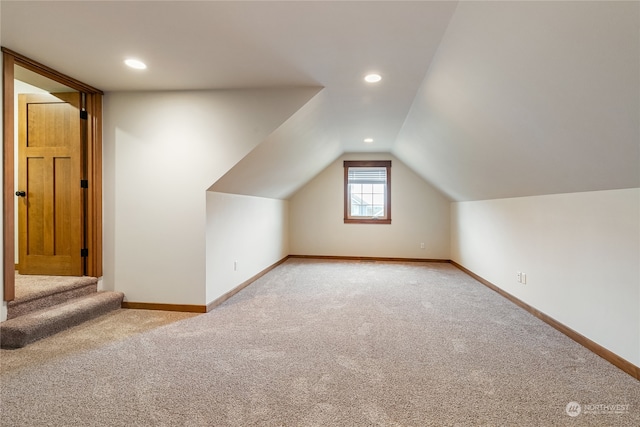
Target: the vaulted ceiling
(482, 99)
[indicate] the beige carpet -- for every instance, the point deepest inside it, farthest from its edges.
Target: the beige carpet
(90, 335)
(317, 343)
(28, 287)
(46, 305)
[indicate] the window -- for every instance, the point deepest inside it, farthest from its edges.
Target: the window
(367, 192)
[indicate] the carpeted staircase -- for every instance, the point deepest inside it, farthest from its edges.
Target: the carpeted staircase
(47, 305)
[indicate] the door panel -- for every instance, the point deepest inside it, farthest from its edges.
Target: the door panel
(50, 222)
(35, 225)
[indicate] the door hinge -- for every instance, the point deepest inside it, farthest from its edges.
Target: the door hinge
(84, 252)
(84, 115)
(84, 183)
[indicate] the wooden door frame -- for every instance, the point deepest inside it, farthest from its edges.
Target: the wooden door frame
(93, 159)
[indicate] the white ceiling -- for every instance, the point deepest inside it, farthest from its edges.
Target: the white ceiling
(482, 99)
(530, 98)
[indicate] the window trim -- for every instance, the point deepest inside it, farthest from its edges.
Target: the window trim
(347, 204)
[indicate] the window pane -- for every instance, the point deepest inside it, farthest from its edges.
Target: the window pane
(367, 191)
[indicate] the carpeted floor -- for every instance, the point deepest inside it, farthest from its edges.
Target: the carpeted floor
(93, 334)
(317, 343)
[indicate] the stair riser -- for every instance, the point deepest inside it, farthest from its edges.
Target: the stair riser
(17, 333)
(20, 309)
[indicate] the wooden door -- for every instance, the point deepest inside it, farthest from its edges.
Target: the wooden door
(50, 207)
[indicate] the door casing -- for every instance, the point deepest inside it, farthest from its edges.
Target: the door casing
(93, 159)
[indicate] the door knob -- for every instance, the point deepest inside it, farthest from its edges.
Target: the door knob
(21, 194)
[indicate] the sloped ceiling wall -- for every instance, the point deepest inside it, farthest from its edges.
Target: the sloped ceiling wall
(521, 99)
(530, 98)
(291, 156)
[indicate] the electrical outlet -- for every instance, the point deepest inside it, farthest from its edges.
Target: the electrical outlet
(421, 245)
(519, 277)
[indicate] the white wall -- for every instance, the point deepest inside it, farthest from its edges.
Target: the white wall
(419, 214)
(580, 251)
(251, 232)
(161, 153)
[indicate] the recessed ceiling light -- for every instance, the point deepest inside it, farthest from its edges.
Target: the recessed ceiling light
(134, 63)
(372, 78)
(368, 140)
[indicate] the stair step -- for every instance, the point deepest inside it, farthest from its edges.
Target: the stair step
(20, 331)
(48, 292)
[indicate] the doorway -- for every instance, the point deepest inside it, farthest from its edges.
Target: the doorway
(49, 169)
(52, 193)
